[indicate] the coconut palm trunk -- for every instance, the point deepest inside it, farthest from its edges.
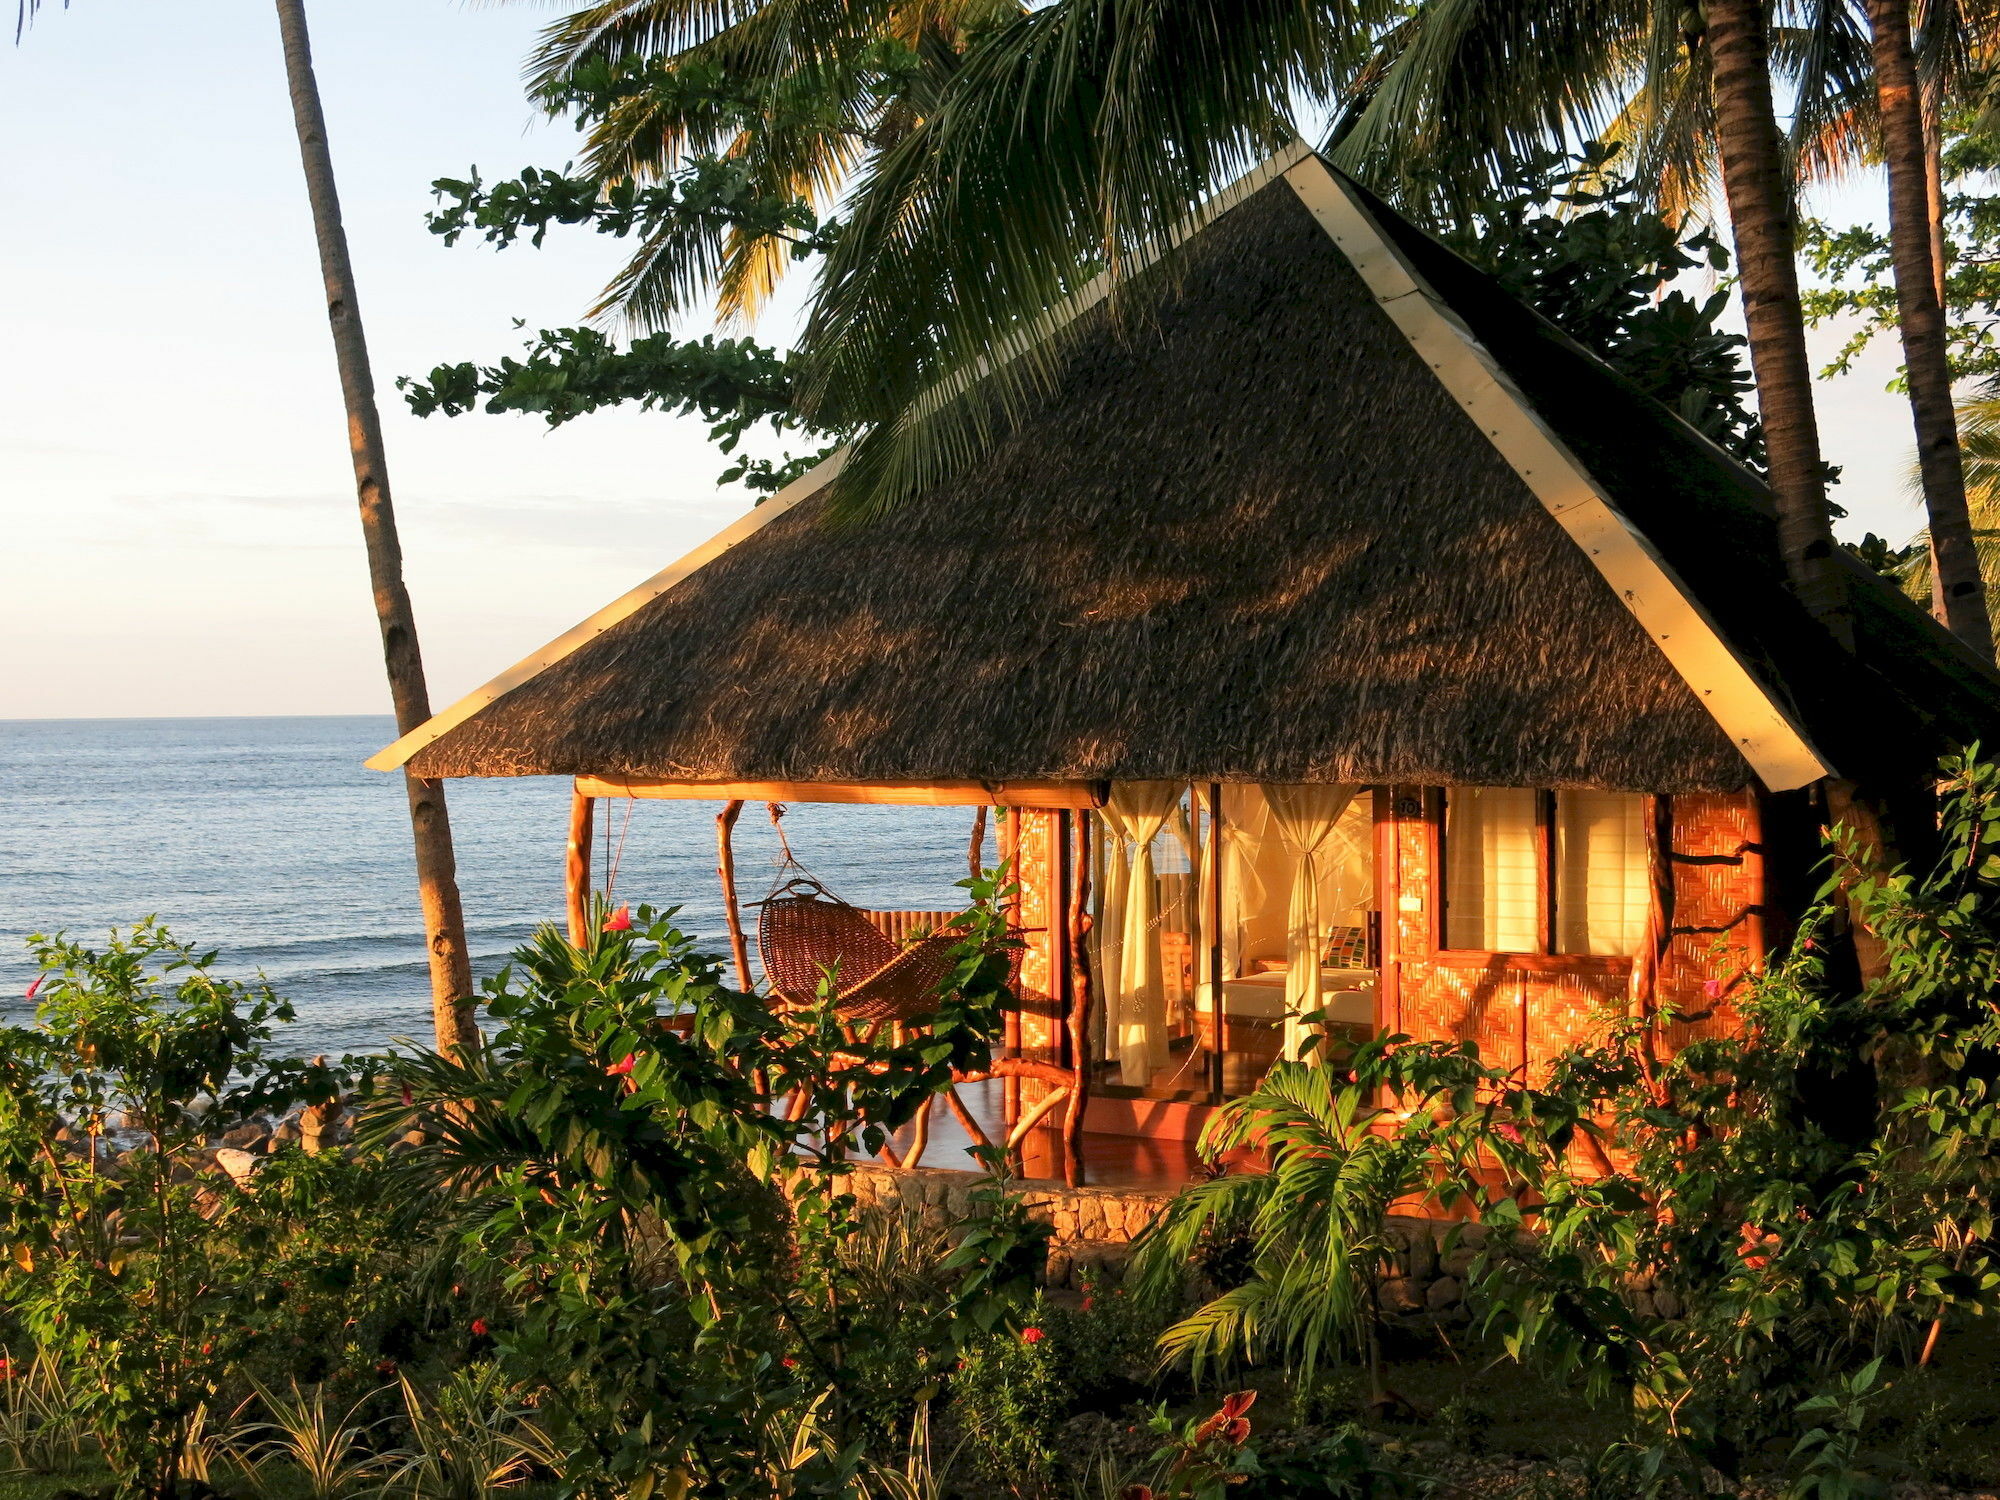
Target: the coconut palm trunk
(1960, 592)
(437, 868)
(1754, 178)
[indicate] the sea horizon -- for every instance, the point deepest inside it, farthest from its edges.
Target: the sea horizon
(264, 836)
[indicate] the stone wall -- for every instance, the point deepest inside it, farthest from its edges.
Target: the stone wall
(1093, 1229)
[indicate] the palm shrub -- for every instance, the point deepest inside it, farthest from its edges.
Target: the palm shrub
(669, 1240)
(1405, 1120)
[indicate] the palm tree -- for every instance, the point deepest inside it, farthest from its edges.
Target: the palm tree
(795, 95)
(1978, 421)
(1907, 154)
(437, 867)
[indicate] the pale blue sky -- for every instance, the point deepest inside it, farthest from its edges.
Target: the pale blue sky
(174, 483)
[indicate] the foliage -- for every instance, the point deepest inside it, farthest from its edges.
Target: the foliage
(1008, 1392)
(1317, 1221)
(568, 372)
(325, 1449)
(131, 1273)
(1805, 1194)
(1578, 241)
(671, 1239)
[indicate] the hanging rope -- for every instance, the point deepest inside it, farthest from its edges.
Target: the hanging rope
(611, 867)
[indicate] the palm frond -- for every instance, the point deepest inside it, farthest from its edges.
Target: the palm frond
(1069, 142)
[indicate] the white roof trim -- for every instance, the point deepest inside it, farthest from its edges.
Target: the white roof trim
(1768, 737)
(621, 608)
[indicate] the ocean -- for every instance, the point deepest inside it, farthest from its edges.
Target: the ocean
(267, 839)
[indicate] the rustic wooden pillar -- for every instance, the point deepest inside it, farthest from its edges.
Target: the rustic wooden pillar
(576, 869)
(725, 870)
(1079, 1002)
(1010, 858)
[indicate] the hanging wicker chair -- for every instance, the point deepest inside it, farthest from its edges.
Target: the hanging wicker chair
(804, 930)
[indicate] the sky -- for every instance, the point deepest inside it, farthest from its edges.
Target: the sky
(175, 489)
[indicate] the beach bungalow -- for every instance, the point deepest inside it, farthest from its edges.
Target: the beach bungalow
(1340, 639)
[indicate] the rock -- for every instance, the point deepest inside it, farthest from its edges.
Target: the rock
(1402, 1295)
(245, 1137)
(240, 1165)
(284, 1135)
(1444, 1292)
(1457, 1261)
(1666, 1303)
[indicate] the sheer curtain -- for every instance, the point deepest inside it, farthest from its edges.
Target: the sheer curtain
(1128, 938)
(1305, 817)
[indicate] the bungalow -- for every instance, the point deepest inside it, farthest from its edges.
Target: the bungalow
(1342, 640)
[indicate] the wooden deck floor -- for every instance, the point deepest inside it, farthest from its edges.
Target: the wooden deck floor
(1114, 1161)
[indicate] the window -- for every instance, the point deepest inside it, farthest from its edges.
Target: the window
(1491, 855)
(1540, 872)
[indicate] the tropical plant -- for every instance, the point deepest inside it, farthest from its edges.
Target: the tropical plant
(1804, 1194)
(323, 1448)
(673, 1242)
(471, 1438)
(1409, 1118)
(126, 1267)
(40, 1429)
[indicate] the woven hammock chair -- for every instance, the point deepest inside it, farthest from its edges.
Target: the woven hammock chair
(804, 930)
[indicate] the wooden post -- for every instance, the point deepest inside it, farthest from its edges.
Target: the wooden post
(576, 867)
(1010, 1041)
(1218, 1009)
(1079, 1003)
(725, 869)
(975, 853)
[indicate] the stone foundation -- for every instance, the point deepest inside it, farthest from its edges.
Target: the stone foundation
(1093, 1229)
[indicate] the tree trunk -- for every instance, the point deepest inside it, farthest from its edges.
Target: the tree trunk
(1760, 216)
(437, 869)
(1920, 317)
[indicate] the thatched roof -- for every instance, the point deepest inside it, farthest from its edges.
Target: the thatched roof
(1249, 536)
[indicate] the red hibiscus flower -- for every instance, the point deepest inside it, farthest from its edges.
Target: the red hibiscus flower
(622, 1067)
(619, 921)
(479, 1329)
(1031, 1335)
(1089, 1303)
(33, 985)
(1712, 989)
(1757, 1247)
(789, 1363)
(1230, 1423)
(1508, 1132)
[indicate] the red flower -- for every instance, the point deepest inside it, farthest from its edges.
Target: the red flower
(33, 985)
(1230, 1424)
(408, 1097)
(789, 1363)
(1757, 1247)
(386, 1368)
(1088, 1303)
(1031, 1335)
(479, 1329)
(6, 1369)
(208, 1348)
(1712, 989)
(1508, 1132)
(619, 921)
(620, 1068)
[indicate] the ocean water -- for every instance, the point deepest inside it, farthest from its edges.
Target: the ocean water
(267, 839)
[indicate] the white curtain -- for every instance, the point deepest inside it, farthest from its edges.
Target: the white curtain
(1305, 817)
(1129, 958)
